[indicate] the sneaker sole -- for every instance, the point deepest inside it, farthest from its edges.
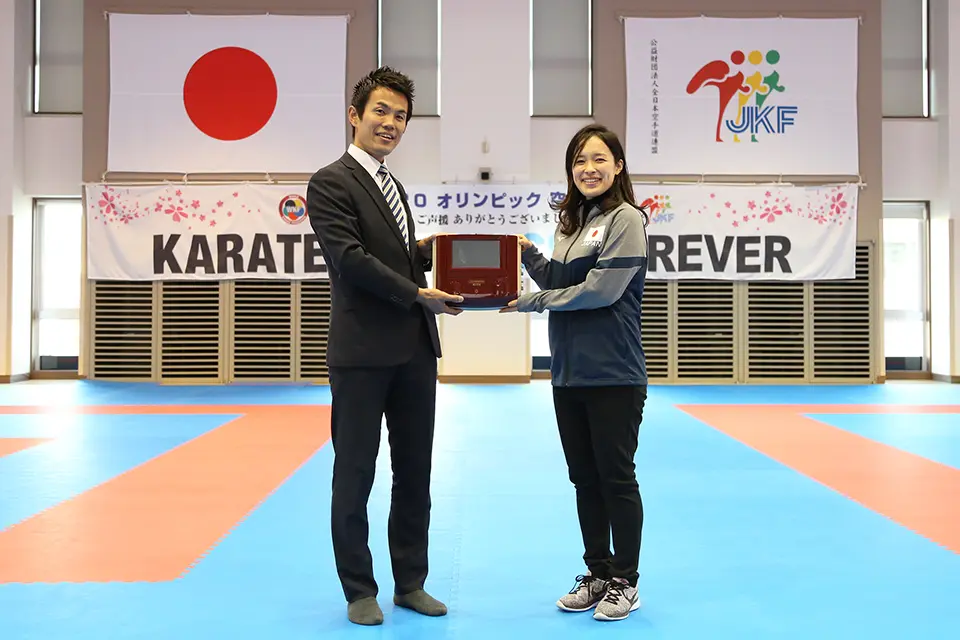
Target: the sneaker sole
(564, 607)
(605, 618)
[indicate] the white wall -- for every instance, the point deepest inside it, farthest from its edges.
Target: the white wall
(53, 155)
(910, 158)
(54, 147)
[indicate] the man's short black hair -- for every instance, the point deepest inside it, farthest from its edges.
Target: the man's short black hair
(385, 77)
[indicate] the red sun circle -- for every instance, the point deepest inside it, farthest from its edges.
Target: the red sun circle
(230, 93)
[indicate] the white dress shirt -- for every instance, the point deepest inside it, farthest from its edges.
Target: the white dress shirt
(367, 161)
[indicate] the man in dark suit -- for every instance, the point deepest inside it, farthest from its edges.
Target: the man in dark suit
(382, 349)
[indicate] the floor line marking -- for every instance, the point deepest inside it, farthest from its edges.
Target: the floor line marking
(155, 521)
(918, 493)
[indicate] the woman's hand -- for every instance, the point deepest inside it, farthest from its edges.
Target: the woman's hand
(524, 243)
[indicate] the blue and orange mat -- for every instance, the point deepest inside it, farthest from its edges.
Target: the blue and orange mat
(141, 511)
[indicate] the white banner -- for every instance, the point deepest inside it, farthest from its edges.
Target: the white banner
(206, 232)
(767, 96)
(226, 93)
(755, 232)
(238, 231)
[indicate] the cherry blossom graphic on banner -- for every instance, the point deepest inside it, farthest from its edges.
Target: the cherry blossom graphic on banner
(832, 207)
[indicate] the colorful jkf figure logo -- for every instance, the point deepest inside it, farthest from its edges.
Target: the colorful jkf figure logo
(658, 208)
(746, 82)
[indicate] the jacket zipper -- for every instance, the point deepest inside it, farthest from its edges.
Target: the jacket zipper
(567, 283)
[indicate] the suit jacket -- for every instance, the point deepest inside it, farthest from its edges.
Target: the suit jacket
(375, 319)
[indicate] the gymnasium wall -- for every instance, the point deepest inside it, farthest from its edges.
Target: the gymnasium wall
(694, 331)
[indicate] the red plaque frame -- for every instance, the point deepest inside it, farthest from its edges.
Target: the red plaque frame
(482, 286)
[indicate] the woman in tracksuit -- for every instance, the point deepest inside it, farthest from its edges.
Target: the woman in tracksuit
(593, 287)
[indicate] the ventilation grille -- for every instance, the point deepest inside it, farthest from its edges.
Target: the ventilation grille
(121, 344)
(841, 325)
(655, 329)
(705, 330)
(314, 329)
(693, 331)
(263, 324)
(190, 331)
(776, 331)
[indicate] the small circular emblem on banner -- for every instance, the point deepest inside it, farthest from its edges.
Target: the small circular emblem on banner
(293, 209)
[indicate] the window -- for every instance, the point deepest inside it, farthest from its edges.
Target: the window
(57, 284)
(906, 312)
(409, 41)
(906, 72)
(58, 56)
(561, 58)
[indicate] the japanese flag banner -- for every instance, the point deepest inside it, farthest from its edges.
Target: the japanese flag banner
(226, 93)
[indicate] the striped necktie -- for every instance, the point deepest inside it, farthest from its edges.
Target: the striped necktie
(393, 201)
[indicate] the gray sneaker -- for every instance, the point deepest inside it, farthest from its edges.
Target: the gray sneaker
(618, 602)
(585, 594)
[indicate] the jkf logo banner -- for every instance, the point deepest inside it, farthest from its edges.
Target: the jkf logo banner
(742, 96)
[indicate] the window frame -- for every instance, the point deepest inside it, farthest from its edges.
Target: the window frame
(38, 362)
(590, 57)
(36, 71)
(927, 96)
(434, 113)
(902, 364)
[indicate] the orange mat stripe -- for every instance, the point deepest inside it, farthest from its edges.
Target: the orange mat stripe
(920, 494)
(851, 409)
(157, 520)
(147, 409)
(13, 445)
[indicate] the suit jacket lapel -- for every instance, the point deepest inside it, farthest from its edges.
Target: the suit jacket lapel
(374, 190)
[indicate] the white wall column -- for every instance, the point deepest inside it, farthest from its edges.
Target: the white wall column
(485, 122)
(945, 205)
(16, 250)
(7, 122)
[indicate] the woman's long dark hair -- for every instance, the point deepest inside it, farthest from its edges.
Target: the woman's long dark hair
(571, 207)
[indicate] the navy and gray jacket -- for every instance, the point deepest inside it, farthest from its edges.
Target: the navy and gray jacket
(593, 288)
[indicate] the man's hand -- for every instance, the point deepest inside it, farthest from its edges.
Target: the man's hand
(436, 301)
(425, 246)
(510, 308)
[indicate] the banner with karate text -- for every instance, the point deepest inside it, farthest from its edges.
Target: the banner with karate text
(262, 231)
